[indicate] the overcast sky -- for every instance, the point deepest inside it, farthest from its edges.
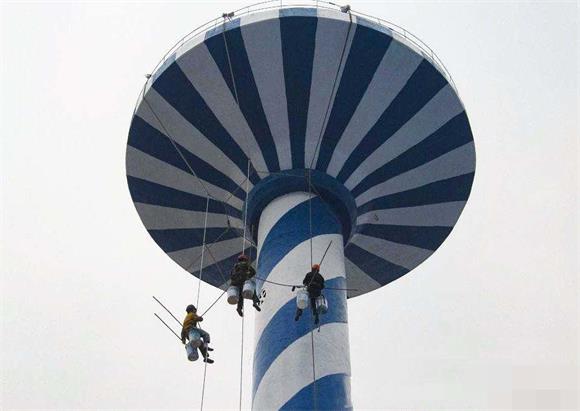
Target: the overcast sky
(489, 322)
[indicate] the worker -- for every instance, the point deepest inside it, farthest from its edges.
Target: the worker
(314, 283)
(241, 273)
(189, 323)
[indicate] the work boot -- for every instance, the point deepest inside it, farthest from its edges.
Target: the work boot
(297, 316)
(209, 349)
(208, 360)
(240, 311)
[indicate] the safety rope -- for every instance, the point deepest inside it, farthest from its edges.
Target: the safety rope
(314, 391)
(241, 361)
(246, 209)
(324, 120)
(202, 252)
(174, 144)
(203, 386)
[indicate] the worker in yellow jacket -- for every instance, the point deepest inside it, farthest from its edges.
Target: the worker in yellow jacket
(189, 323)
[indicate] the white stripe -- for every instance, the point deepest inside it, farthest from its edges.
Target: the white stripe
(438, 111)
(358, 281)
(400, 254)
(264, 48)
(291, 371)
(149, 168)
(330, 39)
(202, 71)
(188, 258)
(186, 135)
(157, 217)
(393, 72)
(441, 214)
(455, 163)
(276, 210)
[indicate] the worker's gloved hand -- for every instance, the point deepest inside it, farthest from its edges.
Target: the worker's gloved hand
(200, 319)
(183, 341)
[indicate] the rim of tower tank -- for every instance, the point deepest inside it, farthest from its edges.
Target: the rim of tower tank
(231, 19)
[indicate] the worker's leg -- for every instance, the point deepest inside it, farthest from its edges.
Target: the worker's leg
(204, 336)
(298, 314)
(314, 310)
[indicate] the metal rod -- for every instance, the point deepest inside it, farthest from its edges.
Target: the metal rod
(166, 309)
(168, 327)
(324, 255)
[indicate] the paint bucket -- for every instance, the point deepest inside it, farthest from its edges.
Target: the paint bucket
(233, 295)
(321, 305)
(302, 299)
(192, 354)
(249, 289)
(194, 338)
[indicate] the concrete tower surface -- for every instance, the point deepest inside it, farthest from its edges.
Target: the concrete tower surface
(313, 126)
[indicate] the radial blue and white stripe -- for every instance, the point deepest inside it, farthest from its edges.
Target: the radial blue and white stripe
(395, 148)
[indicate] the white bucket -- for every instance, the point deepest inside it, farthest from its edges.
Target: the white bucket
(321, 305)
(302, 299)
(194, 338)
(249, 289)
(233, 295)
(192, 354)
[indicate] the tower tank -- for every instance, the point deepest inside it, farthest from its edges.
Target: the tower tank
(303, 132)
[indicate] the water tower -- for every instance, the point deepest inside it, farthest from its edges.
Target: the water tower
(343, 129)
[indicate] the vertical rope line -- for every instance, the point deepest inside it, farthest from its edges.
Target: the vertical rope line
(202, 251)
(246, 208)
(310, 215)
(314, 393)
(241, 362)
(230, 63)
(203, 386)
(323, 127)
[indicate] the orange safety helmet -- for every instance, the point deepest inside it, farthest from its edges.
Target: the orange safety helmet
(315, 267)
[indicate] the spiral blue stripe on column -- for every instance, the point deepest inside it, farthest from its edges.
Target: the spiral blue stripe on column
(290, 231)
(334, 383)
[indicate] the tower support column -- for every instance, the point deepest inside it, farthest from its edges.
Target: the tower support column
(298, 366)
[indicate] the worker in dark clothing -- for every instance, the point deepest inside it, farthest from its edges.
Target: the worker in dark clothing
(242, 272)
(190, 322)
(314, 283)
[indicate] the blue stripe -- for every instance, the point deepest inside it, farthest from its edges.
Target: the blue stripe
(178, 91)
(282, 330)
(148, 139)
(380, 270)
(455, 133)
(247, 92)
(146, 192)
(451, 189)
(298, 41)
(333, 193)
(418, 236)
(214, 37)
(332, 393)
(366, 52)
(181, 238)
(293, 229)
(421, 87)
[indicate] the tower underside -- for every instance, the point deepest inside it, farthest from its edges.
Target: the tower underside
(298, 366)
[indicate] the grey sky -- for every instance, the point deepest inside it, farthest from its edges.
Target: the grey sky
(489, 322)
